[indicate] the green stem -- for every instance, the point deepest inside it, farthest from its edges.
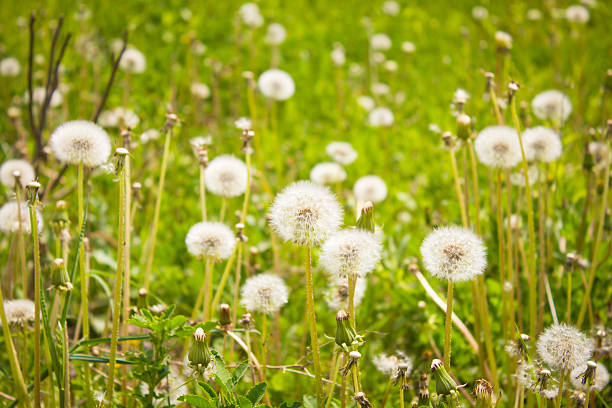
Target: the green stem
(240, 246)
(16, 372)
(208, 295)
(264, 345)
(352, 283)
(121, 243)
(37, 282)
(224, 277)
(333, 377)
(598, 236)
(387, 392)
(202, 192)
(200, 298)
(447, 325)
(154, 226)
(464, 217)
(21, 243)
(314, 338)
(223, 209)
(531, 229)
(560, 396)
(401, 397)
(501, 253)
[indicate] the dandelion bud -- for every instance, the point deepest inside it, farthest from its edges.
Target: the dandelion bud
(401, 374)
(59, 276)
(246, 320)
(512, 88)
(362, 400)
(484, 394)
(489, 76)
(247, 136)
(424, 389)
(366, 218)
(450, 143)
(463, 126)
(225, 315)
(345, 333)
(199, 354)
(444, 382)
(32, 192)
(503, 41)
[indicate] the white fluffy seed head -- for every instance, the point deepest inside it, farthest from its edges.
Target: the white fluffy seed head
(503, 39)
(133, 61)
(212, 239)
(276, 34)
(19, 312)
(305, 213)
(542, 144)
(350, 252)
(80, 141)
(264, 293)
(327, 173)
(200, 90)
(380, 42)
(380, 117)
(601, 379)
(391, 8)
(389, 364)
(10, 216)
(370, 188)
(577, 14)
(498, 147)
(13, 170)
(250, 15)
(454, 253)
(10, 67)
(341, 152)
(276, 84)
(337, 293)
(564, 347)
(552, 105)
(226, 176)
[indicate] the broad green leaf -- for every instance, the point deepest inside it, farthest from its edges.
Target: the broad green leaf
(239, 372)
(207, 389)
(244, 402)
(196, 400)
(222, 373)
(256, 393)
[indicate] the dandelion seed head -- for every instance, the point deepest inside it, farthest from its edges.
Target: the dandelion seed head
(226, 176)
(149, 135)
(380, 117)
(80, 141)
(408, 47)
(13, 170)
(250, 15)
(391, 8)
(577, 14)
(454, 253)
(366, 102)
(264, 293)
(9, 218)
(212, 239)
(601, 379)
(337, 55)
(534, 15)
(498, 147)
(337, 293)
(370, 188)
(305, 213)
(503, 40)
(542, 144)
(200, 90)
(350, 252)
(10, 67)
(327, 173)
(564, 347)
(19, 312)
(276, 34)
(380, 42)
(552, 105)
(341, 152)
(276, 84)
(133, 61)
(243, 123)
(480, 13)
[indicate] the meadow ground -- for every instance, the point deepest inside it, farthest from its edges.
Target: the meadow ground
(461, 183)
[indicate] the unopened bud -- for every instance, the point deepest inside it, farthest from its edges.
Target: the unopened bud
(199, 354)
(484, 394)
(345, 333)
(59, 276)
(366, 217)
(444, 382)
(225, 315)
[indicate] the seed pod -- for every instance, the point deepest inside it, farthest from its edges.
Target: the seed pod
(59, 276)
(345, 333)
(444, 382)
(199, 354)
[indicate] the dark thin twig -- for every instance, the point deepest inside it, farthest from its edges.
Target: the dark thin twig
(109, 84)
(53, 86)
(54, 182)
(30, 101)
(60, 22)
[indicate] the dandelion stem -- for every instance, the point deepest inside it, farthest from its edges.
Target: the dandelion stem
(448, 325)
(352, 283)
(202, 192)
(21, 242)
(160, 191)
(501, 253)
(314, 339)
(240, 246)
(224, 277)
(16, 372)
(387, 391)
(223, 209)
(560, 396)
(121, 246)
(531, 230)
(464, 217)
(568, 311)
(401, 397)
(264, 344)
(333, 376)
(598, 235)
(37, 300)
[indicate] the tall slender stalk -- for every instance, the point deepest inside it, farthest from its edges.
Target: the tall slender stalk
(531, 230)
(500, 246)
(21, 241)
(448, 325)
(202, 192)
(224, 277)
(121, 246)
(598, 236)
(126, 270)
(158, 201)
(16, 372)
(314, 338)
(352, 283)
(33, 201)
